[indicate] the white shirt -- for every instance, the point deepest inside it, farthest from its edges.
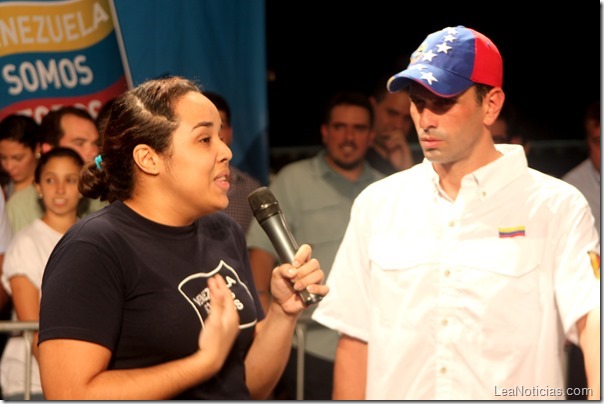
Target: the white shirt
(450, 307)
(587, 179)
(26, 255)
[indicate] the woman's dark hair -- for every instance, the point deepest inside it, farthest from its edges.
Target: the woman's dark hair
(54, 153)
(142, 115)
(20, 128)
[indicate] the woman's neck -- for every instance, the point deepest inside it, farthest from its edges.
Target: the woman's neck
(60, 223)
(23, 184)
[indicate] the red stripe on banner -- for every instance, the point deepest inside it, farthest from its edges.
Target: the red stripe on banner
(38, 107)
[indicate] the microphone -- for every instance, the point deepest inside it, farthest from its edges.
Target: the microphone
(268, 213)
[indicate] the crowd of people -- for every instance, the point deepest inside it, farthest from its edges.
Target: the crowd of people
(460, 275)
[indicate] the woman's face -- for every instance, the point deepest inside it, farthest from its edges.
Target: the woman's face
(59, 186)
(197, 166)
(18, 160)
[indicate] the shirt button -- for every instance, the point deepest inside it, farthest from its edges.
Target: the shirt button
(452, 223)
(444, 321)
(447, 272)
(443, 370)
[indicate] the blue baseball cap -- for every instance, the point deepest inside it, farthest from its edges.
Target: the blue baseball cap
(449, 61)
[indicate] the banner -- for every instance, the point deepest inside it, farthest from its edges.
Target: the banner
(55, 53)
(219, 44)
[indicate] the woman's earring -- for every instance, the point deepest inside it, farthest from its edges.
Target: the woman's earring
(38, 155)
(39, 196)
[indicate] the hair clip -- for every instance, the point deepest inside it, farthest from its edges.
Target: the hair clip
(98, 160)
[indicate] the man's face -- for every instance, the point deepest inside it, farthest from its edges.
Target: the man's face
(81, 135)
(347, 135)
(392, 114)
(450, 130)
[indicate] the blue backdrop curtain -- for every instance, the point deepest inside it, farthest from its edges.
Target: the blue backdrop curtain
(219, 44)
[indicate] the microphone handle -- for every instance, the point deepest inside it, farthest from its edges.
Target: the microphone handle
(286, 247)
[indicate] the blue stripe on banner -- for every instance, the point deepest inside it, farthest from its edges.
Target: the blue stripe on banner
(60, 74)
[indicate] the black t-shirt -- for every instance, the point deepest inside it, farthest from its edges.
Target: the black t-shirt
(139, 288)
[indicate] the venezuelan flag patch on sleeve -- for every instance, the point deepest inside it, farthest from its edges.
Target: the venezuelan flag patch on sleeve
(517, 231)
(595, 263)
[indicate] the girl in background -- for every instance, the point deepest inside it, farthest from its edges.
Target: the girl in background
(56, 182)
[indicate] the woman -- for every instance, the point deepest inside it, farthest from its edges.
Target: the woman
(152, 297)
(56, 180)
(19, 151)
(19, 154)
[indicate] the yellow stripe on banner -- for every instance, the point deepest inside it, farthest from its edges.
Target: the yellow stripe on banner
(53, 26)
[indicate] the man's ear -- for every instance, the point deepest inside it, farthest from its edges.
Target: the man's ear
(494, 102)
(146, 159)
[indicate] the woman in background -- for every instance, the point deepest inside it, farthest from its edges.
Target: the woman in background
(19, 154)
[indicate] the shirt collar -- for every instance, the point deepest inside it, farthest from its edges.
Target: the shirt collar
(499, 173)
(493, 176)
(326, 171)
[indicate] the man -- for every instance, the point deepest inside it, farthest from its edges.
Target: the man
(316, 195)
(241, 183)
(586, 176)
(73, 127)
(390, 151)
(461, 277)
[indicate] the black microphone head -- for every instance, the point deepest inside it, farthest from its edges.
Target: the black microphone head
(263, 203)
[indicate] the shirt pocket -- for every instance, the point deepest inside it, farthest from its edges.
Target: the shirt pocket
(498, 295)
(330, 216)
(403, 274)
(496, 264)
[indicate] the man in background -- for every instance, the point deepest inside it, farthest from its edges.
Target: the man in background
(315, 195)
(390, 151)
(586, 176)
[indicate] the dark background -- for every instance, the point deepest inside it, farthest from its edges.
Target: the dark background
(551, 57)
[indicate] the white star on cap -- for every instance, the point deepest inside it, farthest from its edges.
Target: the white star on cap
(449, 38)
(443, 47)
(451, 30)
(429, 55)
(418, 66)
(429, 77)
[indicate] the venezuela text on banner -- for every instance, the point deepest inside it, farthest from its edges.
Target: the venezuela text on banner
(55, 53)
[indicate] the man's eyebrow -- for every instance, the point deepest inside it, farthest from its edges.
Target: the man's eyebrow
(206, 124)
